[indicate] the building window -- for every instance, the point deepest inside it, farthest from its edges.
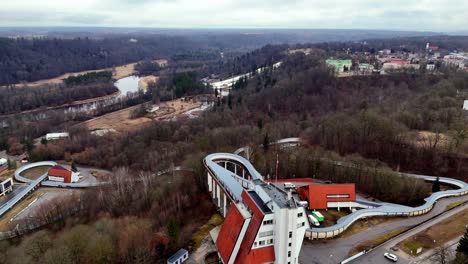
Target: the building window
(255, 244)
(268, 222)
(261, 243)
(290, 234)
(337, 196)
(289, 244)
(289, 253)
(299, 215)
(266, 233)
(269, 241)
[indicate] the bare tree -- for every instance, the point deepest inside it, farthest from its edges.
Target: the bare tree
(442, 255)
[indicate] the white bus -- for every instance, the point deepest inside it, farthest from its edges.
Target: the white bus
(314, 220)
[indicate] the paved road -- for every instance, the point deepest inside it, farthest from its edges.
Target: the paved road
(16, 190)
(335, 250)
(376, 255)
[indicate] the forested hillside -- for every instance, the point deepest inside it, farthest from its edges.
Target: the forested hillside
(35, 59)
(410, 122)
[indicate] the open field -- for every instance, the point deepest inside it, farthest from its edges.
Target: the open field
(35, 172)
(144, 82)
(376, 241)
(5, 219)
(118, 73)
(121, 120)
(441, 233)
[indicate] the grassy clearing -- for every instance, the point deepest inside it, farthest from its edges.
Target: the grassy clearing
(35, 172)
(7, 174)
(377, 240)
(332, 216)
(455, 204)
(204, 230)
(363, 225)
(441, 233)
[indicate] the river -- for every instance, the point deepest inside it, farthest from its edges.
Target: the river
(126, 86)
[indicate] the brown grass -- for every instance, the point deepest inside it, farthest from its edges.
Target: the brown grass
(377, 241)
(121, 120)
(144, 82)
(442, 232)
(363, 225)
(332, 216)
(35, 172)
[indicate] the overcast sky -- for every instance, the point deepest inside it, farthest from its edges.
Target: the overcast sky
(421, 15)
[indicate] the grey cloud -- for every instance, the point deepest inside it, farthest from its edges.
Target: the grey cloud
(438, 15)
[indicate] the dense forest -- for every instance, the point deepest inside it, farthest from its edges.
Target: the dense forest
(411, 122)
(19, 99)
(35, 59)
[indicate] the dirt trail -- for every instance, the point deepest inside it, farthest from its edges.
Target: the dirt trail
(120, 72)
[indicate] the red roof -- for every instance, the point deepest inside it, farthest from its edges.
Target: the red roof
(229, 233)
(61, 172)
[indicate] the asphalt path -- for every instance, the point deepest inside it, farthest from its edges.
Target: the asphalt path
(336, 250)
(376, 255)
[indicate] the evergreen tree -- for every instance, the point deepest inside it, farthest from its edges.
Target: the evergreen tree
(73, 166)
(11, 164)
(229, 101)
(266, 143)
(173, 230)
(260, 123)
(436, 186)
(463, 244)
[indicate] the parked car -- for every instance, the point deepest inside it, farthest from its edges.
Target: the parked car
(390, 256)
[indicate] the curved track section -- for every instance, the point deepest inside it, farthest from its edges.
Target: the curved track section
(377, 209)
(389, 209)
(229, 182)
(18, 172)
(33, 184)
(287, 142)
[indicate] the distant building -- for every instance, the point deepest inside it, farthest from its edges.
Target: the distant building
(366, 68)
(162, 63)
(6, 186)
(55, 136)
(179, 257)
(459, 60)
(465, 105)
(324, 196)
(59, 174)
(430, 66)
(340, 65)
(385, 52)
(399, 65)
